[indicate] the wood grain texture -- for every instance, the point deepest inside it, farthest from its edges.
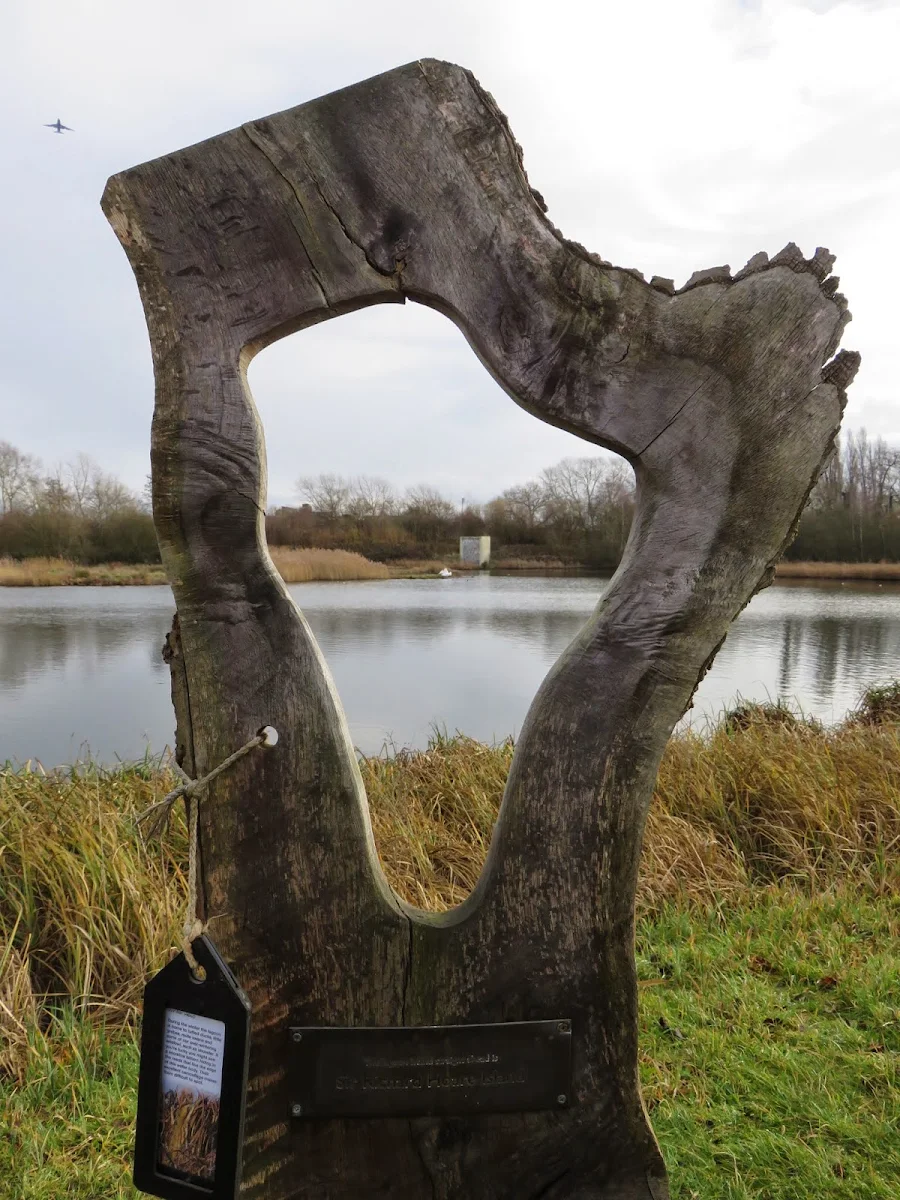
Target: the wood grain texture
(722, 396)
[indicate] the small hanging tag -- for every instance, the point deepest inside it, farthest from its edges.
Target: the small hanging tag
(192, 1088)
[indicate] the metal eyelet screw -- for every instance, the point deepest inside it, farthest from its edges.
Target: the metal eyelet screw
(564, 1027)
(561, 1099)
(296, 1110)
(297, 1035)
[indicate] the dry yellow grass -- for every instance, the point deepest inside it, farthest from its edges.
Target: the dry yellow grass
(733, 810)
(60, 572)
(432, 814)
(187, 1141)
(19, 1013)
(826, 570)
(309, 565)
(87, 909)
(295, 566)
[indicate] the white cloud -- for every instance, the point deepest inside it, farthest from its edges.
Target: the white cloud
(664, 136)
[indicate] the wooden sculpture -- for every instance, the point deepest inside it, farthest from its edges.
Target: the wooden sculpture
(724, 396)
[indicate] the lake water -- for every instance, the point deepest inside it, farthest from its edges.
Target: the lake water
(81, 672)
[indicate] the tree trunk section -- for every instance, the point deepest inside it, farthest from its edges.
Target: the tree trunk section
(411, 186)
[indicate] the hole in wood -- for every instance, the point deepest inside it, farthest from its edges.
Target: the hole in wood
(399, 398)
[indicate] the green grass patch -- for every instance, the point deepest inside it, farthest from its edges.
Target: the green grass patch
(770, 1045)
(67, 1129)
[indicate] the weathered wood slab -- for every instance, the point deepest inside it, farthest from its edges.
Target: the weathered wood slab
(410, 186)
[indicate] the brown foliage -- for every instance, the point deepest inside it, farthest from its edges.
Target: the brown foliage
(187, 1142)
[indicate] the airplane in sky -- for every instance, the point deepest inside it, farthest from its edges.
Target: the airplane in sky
(59, 127)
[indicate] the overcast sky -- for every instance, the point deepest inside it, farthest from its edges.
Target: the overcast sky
(667, 135)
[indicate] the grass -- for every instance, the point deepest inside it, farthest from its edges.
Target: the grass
(188, 1137)
(60, 572)
(830, 570)
(770, 1044)
(86, 909)
(753, 801)
(67, 1128)
(769, 1050)
(306, 566)
(295, 566)
(767, 949)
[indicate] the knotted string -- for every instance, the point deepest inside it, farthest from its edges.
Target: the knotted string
(162, 811)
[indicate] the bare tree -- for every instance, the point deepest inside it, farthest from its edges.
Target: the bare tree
(94, 493)
(109, 496)
(19, 478)
(145, 500)
(427, 501)
(880, 469)
(579, 490)
(327, 494)
(371, 496)
(80, 474)
(53, 496)
(524, 504)
(617, 494)
(871, 470)
(830, 486)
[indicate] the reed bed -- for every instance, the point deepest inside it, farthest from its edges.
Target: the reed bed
(307, 565)
(294, 565)
(838, 570)
(88, 909)
(310, 565)
(61, 572)
(187, 1142)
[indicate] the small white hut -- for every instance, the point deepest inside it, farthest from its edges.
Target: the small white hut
(474, 551)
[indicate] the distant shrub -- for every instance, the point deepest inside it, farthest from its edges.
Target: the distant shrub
(125, 537)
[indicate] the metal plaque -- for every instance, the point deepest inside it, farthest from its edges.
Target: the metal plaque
(436, 1070)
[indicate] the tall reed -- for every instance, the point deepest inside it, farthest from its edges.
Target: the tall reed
(61, 572)
(838, 570)
(88, 908)
(308, 565)
(295, 566)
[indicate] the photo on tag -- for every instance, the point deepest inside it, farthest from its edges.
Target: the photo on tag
(192, 1086)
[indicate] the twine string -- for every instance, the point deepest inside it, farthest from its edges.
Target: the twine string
(158, 815)
(193, 926)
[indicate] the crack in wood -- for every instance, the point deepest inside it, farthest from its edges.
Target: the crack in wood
(260, 146)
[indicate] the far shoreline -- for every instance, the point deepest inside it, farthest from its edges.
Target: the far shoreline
(317, 566)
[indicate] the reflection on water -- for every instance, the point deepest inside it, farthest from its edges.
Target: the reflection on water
(80, 668)
(81, 673)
